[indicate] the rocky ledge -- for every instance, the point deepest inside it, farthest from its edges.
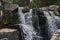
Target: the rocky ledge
(8, 34)
(56, 35)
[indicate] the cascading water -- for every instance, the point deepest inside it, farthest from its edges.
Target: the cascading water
(51, 22)
(21, 16)
(26, 26)
(28, 17)
(35, 22)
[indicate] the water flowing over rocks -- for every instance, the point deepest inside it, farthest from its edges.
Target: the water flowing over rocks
(54, 8)
(27, 27)
(37, 24)
(33, 24)
(52, 25)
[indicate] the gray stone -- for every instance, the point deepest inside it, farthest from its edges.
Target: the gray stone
(8, 34)
(53, 7)
(56, 35)
(43, 8)
(10, 7)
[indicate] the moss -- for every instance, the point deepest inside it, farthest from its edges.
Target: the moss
(5, 22)
(57, 3)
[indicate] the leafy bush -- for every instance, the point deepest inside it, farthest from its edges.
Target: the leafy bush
(35, 4)
(58, 3)
(8, 1)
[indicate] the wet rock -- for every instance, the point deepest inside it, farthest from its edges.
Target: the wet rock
(26, 9)
(56, 35)
(10, 7)
(43, 8)
(53, 7)
(9, 34)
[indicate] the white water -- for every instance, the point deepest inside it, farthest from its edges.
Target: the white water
(51, 22)
(26, 25)
(21, 16)
(31, 0)
(28, 18)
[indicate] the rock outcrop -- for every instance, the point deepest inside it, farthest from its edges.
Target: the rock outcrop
(53, 7)
(56, 35)
(10, 7)
(44, 8)
(9, 34)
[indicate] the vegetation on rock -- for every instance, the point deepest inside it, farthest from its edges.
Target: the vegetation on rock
(34, 3)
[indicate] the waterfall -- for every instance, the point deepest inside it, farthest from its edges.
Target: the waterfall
(26, 26)
(51, 19)
(21, 16)
(28, 17)
(58, 21)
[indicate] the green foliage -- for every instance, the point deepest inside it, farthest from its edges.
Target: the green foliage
(21, 2)
(35, 4)
(18, 1)
(42, 3)
(48, 2)
(58, 3)
(5, 21)
(8, 1)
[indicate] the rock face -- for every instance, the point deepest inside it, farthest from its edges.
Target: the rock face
(8, 34)
(10, 7)
(53, 7)
(56, 35)
(43, 8)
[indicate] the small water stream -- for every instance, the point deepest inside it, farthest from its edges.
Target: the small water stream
(52, 22)
(33, 32)
(26, 26)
